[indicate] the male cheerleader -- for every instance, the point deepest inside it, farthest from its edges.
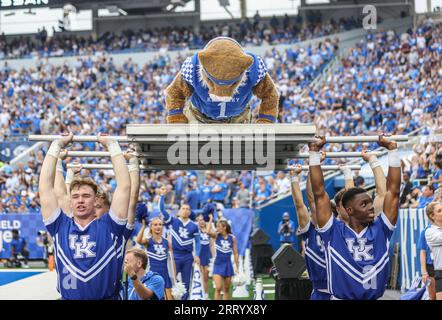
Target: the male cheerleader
(102, 203)
(86, 247)
(184, 232)
(357, 253)
(314, 248)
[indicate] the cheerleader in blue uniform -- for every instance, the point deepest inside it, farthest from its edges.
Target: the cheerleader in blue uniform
(204, 253)
(158, 248)
(225, 244)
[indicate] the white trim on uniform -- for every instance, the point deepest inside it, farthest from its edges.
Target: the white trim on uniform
(327, 226)
(54, 216)
(117, 220)
(305, 229)
(312, 255)
(179, 240)
(130, 226)
(387, 222)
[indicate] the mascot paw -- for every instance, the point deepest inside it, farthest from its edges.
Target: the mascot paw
(177, 118)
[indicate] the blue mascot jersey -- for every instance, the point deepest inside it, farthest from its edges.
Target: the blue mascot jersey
(357, 264)
(200, 99)
(87, 257)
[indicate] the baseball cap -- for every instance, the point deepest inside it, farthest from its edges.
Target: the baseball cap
(286, 215)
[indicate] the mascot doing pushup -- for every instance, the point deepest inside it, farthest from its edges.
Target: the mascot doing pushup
(219, 82)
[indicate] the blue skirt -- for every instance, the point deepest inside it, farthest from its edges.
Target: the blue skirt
(164, 273)
(223, 268)
(205, 256)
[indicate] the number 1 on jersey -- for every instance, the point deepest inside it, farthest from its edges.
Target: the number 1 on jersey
(222, 111)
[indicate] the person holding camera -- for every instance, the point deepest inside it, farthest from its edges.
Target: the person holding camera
(286, 229)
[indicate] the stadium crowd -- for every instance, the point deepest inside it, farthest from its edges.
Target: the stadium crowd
(255, 32)
(387, 82)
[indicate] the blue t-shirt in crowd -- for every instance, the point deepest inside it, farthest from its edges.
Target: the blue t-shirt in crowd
(205, 194)
(423, 201)
(437, 176)
(220, 196)
(192, 198)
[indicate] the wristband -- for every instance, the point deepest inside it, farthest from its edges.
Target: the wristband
(59, 165)
(314, 158)
(134, 164)
(348, 174)
(54, 149)
(295, 178)
(393, 159)
(374, 162)
(114, 149)
(69, 176)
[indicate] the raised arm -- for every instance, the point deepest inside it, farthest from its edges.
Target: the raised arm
(322, 201)
(209, 229)
(301, 209)
(392, 197)
(121, 196)
(60, 189)
(140, 236)
(348, 177)
(311, 199)
(166, 216)
(134, 173)
(380, 181)
(46, 181)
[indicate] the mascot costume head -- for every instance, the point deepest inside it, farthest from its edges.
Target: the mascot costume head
(216, 85)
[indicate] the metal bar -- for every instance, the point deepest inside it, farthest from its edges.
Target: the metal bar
(331, 167)
(160, 154)
(177, 167)
(356, 139)
(33, 137)
(95, 154)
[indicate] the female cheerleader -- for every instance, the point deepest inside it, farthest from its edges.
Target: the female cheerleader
(157, 248)
(225, 244)
(204, 254)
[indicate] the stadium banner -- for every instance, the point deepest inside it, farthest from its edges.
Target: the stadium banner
(410, 224)
(29, 225)
(10, 150)
(241, 221)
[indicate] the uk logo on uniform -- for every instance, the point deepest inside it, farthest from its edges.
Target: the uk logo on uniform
(361, 251)
(225, 244)
(82, 248)
(204, 236)
(183, 233)
(159, 249)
